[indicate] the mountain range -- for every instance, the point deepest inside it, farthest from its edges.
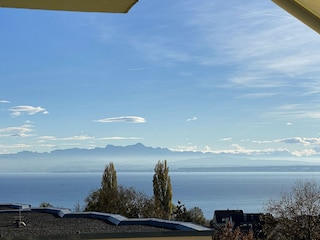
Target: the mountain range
(138, 157)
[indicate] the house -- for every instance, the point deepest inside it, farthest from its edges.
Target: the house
(223, 217)
(236, 217)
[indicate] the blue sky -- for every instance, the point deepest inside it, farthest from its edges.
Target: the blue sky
(221, 76)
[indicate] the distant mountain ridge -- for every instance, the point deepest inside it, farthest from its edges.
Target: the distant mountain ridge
(137, 148)
(129, 150)
(135, 157)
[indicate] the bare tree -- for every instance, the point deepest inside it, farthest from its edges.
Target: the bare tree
(295, 215)
(229, 233)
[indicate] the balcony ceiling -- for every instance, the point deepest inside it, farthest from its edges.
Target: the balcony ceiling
(307, 11)
(111, 6)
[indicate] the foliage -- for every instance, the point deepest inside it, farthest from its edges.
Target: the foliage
(194, 214)
(45, 204)
(109, 179)
(228, 233)
(295, 215)
(134, 204)
(112, 198)
(162, 190)
(105, 198)
(108, 194)
(180, 212)
(92, 201)
(131, 203)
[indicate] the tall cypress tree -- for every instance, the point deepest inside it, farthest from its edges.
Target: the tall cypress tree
(109, 190)
(162, 190)
(109, 178)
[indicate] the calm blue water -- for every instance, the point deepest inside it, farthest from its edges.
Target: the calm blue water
(209, 191)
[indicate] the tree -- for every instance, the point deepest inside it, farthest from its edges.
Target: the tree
(92, 201)
(45, 204)
(194, 214)
(105, 198)
(78, 207)
(162, 190)
(295, 215)
(109, 179)
(229, 233)
(180, 212)
(112, 198)
(134, 204)
(108, 195)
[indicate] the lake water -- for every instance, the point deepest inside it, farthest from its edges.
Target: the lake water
(249, 191)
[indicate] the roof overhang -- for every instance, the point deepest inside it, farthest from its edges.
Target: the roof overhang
(307, 11)
(111, 6)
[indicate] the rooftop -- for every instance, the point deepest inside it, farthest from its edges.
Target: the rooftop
(56, 223)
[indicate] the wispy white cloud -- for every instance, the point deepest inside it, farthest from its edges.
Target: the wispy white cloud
(139, 68)
(295, 111)
(192, 119)
(274, 151)
(123, 119)
(258, 95)
(78, 138)
(261, 141)
(120, 138)
(287, 147)
(305, 153)
(22, 131)
(4, 101)
(6, 148)
(235, 149)
(84, 138)
(30, 110)
(304, 141)
(181, 148)
(247, 151)
(229, 139)
(72, 138)
(261, 42)
(301, 140)
(44, 145)
(47, 138)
